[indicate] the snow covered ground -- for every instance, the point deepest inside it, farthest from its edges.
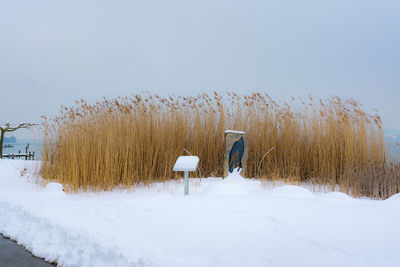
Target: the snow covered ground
(231, 222)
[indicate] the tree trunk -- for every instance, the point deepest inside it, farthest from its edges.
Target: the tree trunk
(1, 143)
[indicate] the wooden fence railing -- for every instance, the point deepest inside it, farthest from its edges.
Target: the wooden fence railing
(28, 154)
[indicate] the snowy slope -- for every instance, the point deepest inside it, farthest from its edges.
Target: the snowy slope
(231, 222)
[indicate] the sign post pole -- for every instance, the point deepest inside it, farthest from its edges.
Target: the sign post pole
(186, 183)
(186, 164)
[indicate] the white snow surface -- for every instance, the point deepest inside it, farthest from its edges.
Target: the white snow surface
(230, 222)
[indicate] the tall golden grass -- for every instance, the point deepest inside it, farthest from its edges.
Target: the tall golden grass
(135, 140)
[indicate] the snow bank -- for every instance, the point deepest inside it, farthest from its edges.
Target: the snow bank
(337, 196)
(291, 191)
(56, 243)
(223, 222)
(395, 197)
(54, 189)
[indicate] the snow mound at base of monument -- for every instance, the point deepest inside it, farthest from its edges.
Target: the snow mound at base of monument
(234, 184)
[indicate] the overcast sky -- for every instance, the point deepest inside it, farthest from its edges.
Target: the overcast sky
(53, 52)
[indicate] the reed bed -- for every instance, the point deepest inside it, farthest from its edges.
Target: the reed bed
(131, 141)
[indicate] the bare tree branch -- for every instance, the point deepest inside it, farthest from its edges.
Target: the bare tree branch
(8, 128)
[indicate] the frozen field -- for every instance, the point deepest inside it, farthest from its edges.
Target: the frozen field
(231, 222)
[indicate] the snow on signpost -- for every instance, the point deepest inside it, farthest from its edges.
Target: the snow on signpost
(186, 164)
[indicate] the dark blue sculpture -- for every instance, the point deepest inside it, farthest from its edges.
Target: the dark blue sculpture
(236, 154)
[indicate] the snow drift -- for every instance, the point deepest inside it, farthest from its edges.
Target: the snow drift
(230, 222)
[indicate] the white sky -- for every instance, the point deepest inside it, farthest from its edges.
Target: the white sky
(54, 52)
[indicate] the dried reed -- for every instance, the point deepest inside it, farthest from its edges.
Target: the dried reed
(135, 140)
